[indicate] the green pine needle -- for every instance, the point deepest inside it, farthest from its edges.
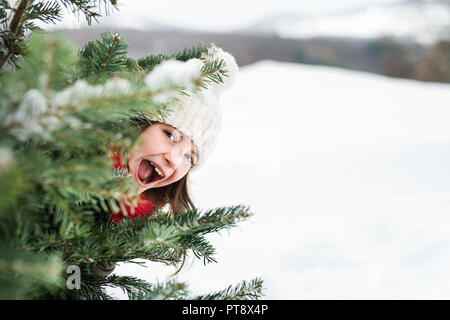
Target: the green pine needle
(250, 290)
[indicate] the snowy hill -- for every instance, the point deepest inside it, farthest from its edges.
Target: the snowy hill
(424, 22)
(347, 174)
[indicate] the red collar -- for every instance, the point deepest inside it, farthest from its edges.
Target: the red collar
(117, 160)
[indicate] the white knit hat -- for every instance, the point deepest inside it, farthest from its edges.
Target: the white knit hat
(198, 115)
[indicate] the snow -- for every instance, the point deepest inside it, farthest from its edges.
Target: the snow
(170, 75)
(423, 22)
(347, 174)
(82, 91)
(33, 105)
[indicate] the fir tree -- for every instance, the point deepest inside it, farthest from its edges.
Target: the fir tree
(18, 19)
(61, 112)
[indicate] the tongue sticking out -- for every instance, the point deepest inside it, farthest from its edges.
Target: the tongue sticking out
(145, 170)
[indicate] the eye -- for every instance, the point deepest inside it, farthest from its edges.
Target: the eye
(171, 136)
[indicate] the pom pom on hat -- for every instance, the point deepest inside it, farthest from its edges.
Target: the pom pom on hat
(215, 53)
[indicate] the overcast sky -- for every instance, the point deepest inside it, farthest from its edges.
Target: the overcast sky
(216, 15)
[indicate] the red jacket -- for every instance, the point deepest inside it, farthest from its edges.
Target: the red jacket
(144, 206)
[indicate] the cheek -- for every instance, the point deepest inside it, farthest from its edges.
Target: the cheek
(149, 144)
(181, 172)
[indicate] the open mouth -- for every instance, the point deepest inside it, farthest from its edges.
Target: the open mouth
(147, 172)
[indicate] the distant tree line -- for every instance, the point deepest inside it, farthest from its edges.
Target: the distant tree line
(388, 56)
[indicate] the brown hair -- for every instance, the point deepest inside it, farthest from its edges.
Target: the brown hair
(179, 200)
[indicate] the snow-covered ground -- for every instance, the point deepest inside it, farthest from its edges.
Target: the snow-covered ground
(348, 176)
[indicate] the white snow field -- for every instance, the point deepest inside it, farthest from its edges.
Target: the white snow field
(348, 174)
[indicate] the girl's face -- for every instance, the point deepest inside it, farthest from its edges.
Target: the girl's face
(161, 155)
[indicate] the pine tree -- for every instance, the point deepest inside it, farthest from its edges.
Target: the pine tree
(60, 113)
(18, 19)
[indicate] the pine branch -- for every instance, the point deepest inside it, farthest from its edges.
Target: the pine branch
(153, 238)
(213, 72)
(185, 231)
(129, 285)
(13, 28)
(176, 290)
(114, 92)
(94, 287)
(200, 247)
(167, 227)
(171, 290)
(17, 17)
(244, 291)
(48, 12)
(194, 52)
(26, 11)
(106, 55)
(150, 62)
(64, 205)
(87, 7)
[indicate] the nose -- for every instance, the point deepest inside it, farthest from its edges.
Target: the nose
(174, 158)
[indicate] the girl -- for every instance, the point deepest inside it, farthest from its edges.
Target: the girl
(166, 151)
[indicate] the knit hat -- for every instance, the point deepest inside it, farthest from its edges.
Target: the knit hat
(198, 115)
